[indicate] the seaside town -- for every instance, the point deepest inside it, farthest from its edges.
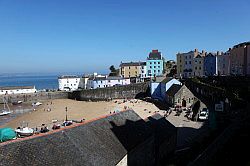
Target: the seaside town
(156, 111)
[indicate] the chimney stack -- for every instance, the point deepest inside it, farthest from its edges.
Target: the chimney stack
(219, 53)
(203, 53)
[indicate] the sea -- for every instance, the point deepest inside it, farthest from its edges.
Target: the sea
(40, 81)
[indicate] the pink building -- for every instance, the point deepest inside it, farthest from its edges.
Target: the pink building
(240, 59)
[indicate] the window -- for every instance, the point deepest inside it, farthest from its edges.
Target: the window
(189, 56)
(150, 63)
(149, 71)
(178, 100)
(101, 82)
(154, 66)
(159, 67)
(99, 86)
(200, 68)
(185, 57)
(186, 63)
(195, 68)
(200, 62)
(154, 71)
(150, 67)
(154, 62)
(109, 81)
(189, 100)
(158, 71)
(158, 62)
(189, 62)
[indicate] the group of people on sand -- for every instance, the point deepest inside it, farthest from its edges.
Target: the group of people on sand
(43, 129)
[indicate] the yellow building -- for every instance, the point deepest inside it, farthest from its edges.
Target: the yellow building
(132, 69)
(185, 63)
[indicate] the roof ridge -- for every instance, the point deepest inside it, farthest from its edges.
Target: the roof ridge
(61, 129)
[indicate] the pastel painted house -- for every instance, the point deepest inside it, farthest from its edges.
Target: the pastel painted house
(210, 64)
(161, 85)
(154, 64)
(103, 82)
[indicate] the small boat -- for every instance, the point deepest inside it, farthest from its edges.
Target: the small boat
(56, 126)
(4, 111)
(24, 132)
(17, 102)
(67, 123)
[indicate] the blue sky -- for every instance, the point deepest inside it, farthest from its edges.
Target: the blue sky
(87, 36)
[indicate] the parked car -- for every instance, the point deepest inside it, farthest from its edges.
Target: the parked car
(203, 115)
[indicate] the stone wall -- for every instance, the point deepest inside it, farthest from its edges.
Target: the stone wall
(32, 97)
(119, 92)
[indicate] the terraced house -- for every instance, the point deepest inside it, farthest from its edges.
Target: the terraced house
(133, 70)
(240, 59)
(154, 64)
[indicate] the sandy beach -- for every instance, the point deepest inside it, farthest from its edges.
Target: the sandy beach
(78, 110)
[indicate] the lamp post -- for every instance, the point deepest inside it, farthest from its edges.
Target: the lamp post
(66, 109)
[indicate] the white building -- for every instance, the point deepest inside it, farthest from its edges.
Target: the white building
(68, 83)
(143, 71)
(83, 82)
(161, 85)
(17, 90)
(103, 82)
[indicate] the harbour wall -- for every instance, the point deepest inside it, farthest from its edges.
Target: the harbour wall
(131, 91)
(33, 97)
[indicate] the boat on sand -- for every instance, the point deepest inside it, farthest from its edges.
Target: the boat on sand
(24, 132)
(5, 111)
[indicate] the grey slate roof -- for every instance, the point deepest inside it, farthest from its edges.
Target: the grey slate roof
(160, 124)
(102, 142)
(159, 79)
(154, 55)
(167, 79)
(173, 89)
(133, 64)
